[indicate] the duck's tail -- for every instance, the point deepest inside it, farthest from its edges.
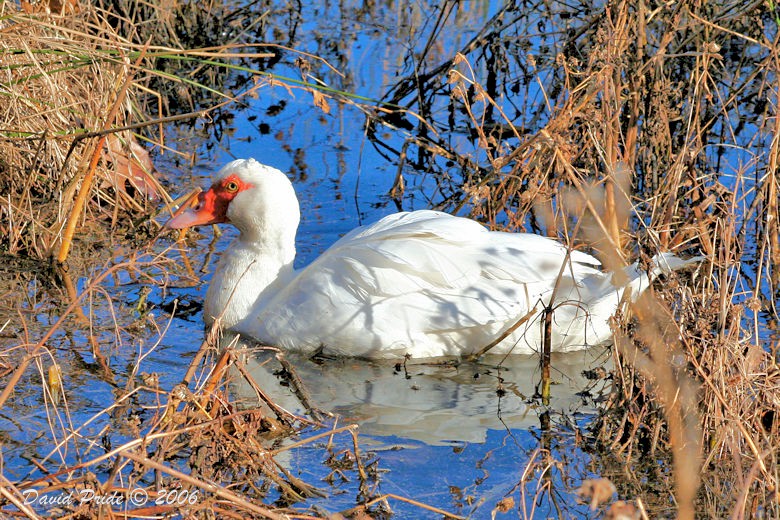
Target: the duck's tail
(662, 263)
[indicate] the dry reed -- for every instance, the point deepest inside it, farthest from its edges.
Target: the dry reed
(639, 108)
(629, 144)
(59, 82)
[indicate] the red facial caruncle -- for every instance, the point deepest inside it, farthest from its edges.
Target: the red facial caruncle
(212, 205)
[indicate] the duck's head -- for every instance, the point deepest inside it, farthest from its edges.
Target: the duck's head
(255, 198)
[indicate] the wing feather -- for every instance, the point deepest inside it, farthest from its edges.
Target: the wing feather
(419, 273)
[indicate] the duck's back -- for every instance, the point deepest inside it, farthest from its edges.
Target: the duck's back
(430, 284)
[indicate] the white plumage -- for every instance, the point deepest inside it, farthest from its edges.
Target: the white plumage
(424, 283)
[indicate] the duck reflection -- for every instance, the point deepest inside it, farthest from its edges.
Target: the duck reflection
(435, 401)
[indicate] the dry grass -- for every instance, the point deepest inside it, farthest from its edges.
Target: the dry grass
(59, 82)
(655, 130)
(635, 148)
(78, 91)
(80, 85)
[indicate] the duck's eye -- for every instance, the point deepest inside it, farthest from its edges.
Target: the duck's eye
(231, 187)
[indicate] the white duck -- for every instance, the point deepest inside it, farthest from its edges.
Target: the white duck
(422, 283)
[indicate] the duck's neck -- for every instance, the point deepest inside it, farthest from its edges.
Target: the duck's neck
(248, 274)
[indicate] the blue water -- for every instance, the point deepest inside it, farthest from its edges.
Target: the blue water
(442, 437)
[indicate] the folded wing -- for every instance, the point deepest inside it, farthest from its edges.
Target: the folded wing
(420, 278)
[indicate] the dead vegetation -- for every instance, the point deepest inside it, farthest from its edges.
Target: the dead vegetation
(76, 177)
(60, 82)
(640, 129)
(82, 109)
(644, 129)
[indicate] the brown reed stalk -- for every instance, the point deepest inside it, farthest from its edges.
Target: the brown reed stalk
(86, 181)
(638, 92)
(626, 148)
(219, 491)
